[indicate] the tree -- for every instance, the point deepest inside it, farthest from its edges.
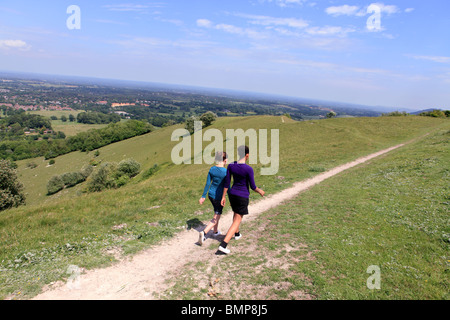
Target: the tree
(11, 190)
(208, 118)
(331, 114)
(189, 126)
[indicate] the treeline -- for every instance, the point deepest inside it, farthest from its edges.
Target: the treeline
(97, 118)
(84, 141)
(30, 121)
(15, 124)
(436, 114)
(432, 113)
(152, 116)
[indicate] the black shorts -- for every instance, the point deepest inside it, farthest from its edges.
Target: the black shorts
(217, 206)
(239, 204)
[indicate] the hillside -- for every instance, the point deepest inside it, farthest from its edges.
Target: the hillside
(40, 240)
(390, 215)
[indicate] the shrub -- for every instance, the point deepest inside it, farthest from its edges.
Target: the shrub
(55, 185)
(129, 167)
(67, 180)
(101, 179)
(86, 171)
(11, 190)
(71, 179)
(111, 175)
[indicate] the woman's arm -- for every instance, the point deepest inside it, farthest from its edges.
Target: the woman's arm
(205, 190)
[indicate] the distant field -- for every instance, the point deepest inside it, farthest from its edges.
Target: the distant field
(69, 128)
(39, 241)
(56, 113)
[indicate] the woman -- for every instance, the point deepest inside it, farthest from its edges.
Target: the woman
(214, 189)
(243, 178)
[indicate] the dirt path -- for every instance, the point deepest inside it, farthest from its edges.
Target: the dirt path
(143, 275)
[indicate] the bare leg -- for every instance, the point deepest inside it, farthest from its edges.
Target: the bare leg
(237, 218)
(213, 223)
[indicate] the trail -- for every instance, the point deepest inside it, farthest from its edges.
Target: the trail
(143, 276)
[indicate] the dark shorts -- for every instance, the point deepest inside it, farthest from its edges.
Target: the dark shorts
(217, 206)
(239, 204)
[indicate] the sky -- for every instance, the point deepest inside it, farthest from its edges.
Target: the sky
(394, 53)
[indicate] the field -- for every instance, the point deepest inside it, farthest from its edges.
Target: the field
(40, 240)
(69, 128)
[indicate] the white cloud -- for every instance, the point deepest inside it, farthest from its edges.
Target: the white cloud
(272, 21)
(343, 10)
(286, 3)
(329, 31)
(14, 44)
(409, 10)
(130, 7)
(361, 12)
(232, 29)
(438, 59)
(204, 23)
(389, 9)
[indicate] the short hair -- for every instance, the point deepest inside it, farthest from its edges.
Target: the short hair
(221, 156)
(243, 151)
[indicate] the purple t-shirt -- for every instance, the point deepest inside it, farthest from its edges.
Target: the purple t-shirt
(243, 178)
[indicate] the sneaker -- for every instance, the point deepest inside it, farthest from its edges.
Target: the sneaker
(224, 250)
(201, 237)
(218, 233)
(238, 237)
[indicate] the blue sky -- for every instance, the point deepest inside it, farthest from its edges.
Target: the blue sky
(328, 50)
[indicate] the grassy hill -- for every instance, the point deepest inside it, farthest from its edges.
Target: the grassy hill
(40, 240)
(391, 213)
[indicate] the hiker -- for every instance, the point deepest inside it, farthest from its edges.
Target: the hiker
(239, 194)
(214, 189)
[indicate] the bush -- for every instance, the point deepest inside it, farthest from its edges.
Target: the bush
(395, 114)
(129, 167)
(86, 171)
(111, 175)
(11, 190)
(103, 178)
(71, 179)
(68, 180)
(55, 185)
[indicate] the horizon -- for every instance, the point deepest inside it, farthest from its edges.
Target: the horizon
(300, 49)
(233, 93)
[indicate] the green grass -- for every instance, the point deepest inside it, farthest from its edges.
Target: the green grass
(40, 240)
(392, 213)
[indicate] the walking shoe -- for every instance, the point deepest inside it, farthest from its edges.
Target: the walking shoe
(218, 233)
(238, 237)
(224, 250)
(201, 237)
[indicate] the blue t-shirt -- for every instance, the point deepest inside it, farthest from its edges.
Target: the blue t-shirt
(214, 183)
